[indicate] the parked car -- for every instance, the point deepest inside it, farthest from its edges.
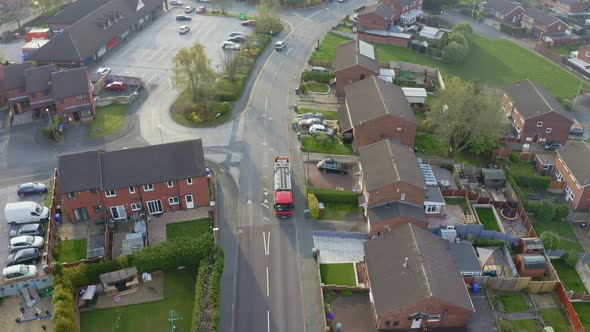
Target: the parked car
(184, 29)
(23, 256)
(20, 271)
(24, 242)
(189, 9)
(181, 18)
(176, 2)
(306, 123)
(228, 45)
(103, 71)
(577, 130)
(331, 165)
(319, 69)
(249, 23)
(237, 39)
(552, 146)
(280, 45)
(25, 212)
(204, 1)
(201, 9)
(27, 229)
(235, 33)
(320, 129)
(31, 188)
(116, 86)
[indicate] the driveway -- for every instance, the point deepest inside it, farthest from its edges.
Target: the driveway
(331, 180)
(483, 319)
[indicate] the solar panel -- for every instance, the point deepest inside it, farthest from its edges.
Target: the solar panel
(367, 49)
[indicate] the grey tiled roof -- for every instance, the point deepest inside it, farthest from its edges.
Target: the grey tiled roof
(501, 6)
(14, 75)
(465, 257)
(75, 10)
(541, 17)
(71, 82)
(39, 78)
(396, 209)
(532, 99)
(349, 54)
(380, 9)
(576, 156)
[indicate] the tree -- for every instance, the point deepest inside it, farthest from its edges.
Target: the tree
(570, 258)
(454, 53)
(15, 10)
(463, 117)
(465, 29)
(460, 39)
(266, 22)
(230, 64)
(192, 71)
(550, 240)
(434, 6)
(545, 211)
(223, 5)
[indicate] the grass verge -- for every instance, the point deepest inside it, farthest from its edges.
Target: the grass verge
(68, 251)
(108, 120)
(338, 274)
(327, 49)
(330, 145)
(190, 228)
(487, 218)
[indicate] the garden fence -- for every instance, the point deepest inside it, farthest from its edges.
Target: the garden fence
(569, 308)
(514, 284)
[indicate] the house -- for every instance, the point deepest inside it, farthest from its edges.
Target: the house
(405, 11)
(530, 265)
(466, 259)
(390, 173)
(536, 115)
(375, 16)
(14, 86)
(545, 162)
(108, 22)
(493, 177)
(375, 110)
(540, 22)
(504, 11)
(566, 7)
(580, 59)
(571, 167)
(38, 86)
(118, 184)
(414, 281)
(531, 245)
(386, 217)
(72, 92)
(355, 60)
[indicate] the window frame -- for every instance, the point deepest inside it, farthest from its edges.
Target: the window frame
(110, 193)
(148, 187)
(539, 124)
(170, 184)
(72, 195)
(132, 190)
(189, 181)
(173, 200)
(136, 207)
(433, 318)
(548, 130)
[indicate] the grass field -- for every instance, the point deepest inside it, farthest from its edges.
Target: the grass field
(524, 325)
(108, 120)
(332, 146)
(555, 319)
(583, 310)
(338, 274)
(487, 218)
(568, 276)
(497, 62)
(513, 302)
(327, 50)
(178, 291)
(328, 115)
(190, 228)
(68, 251)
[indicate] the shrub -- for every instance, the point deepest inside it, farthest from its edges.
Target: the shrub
(519, 193)
(484, 242)
(226, 90)
(336, 196)
(317, 76)
(64, 323)
(550, 240)
(570, 258)
(561, 210)
(314, 206)
(514, 157)
(207, 290)
(405, 83)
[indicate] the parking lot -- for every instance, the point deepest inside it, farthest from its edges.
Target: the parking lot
(148, 54)
(8, 195)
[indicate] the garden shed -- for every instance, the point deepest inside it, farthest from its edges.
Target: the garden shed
(531, 245)
(120, 282)
(530, 265)
(493, 177)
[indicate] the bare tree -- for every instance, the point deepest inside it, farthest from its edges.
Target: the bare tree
(230, 63)
(192, 71)
(15, 10)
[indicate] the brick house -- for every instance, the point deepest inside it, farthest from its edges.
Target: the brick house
(405, 11)
(504, 11)
(152, 179)
(355, 60)
(15, 87)
(566, 6)
(540, 22)
(38, 86)
(375, 110)
(386, 217)
(375, 16)
(572, 167)
(535, 114)
(390, 173)
(583, 54)
(72, 91)
(415, 282)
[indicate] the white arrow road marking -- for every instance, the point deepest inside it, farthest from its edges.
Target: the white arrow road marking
(266, 245)
(249, 202)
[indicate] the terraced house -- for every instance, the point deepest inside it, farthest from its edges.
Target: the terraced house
(153, 180)
(572, 166)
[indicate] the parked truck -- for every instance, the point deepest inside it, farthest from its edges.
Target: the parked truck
(38, 33)
(283, 189)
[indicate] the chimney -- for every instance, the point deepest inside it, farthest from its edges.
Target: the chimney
(406, 262)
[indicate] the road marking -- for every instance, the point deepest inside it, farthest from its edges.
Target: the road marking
(289, 50)
(265, 162)
(266, 246)
(267, 281)
(266, 206)
(152, 78)
(249, 202)
(265, 218)
(266, 177)
(268, 319)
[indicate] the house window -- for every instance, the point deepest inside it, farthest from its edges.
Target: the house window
(569, 194)
(173, 200)
(83, 96)
(97, 208)
(548, 131)
(387, 323)
(433, 318)
(86, 113)
(189, 181)
(110, 193)
(170, 184)
(433, 208)
(148, 187)
(587, 53)
(395, 322)
(132, 190)
(81, 214)
(402, 197)
(72, 195)
(539, 124)
(398, 129)
(558, 176)
(135, 206)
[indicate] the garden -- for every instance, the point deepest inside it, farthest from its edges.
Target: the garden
(338, 204)
(342, 274)
(555, 319)
(583, 311)
(189, 229)
(321, 143)
(513, 302)
(487, 218)
(568, 275)
(327, 48)
(69, 251)
(109, 119)
(315, 82)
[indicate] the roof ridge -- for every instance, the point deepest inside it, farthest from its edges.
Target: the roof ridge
(100, 169)
(540, 95)
(422, 269)
(75, 46)
(393, 160)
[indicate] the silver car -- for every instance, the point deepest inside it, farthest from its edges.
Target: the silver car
(24, 242)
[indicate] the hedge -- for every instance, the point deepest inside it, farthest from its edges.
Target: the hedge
(484, 242)
(535, 182)
(314, 206)
(317, 76)
(332, 195)
(207, 291)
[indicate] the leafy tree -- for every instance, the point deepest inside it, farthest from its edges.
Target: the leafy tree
(464, 118)
(230, 63)
(192, 71)
(570, 258)
(550, 240)
(460, 39)
(545, 211)
(454, 53)
(465, 29)
(266, 22)
(434, 6)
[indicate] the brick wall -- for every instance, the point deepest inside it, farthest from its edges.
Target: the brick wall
(384, 127)
(350, 75)
(581, 200)
(401, 42)
(372, 21)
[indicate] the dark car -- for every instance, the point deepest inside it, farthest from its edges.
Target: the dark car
(552, 146)
(28, 229)
(331, 165)
(23, 257)
(183, 18)
(31, 188)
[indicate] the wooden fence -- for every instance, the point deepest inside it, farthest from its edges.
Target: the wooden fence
(52, 224)
(569, 308)
(514, 284)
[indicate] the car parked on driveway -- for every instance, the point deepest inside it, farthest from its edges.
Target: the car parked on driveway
(184, 29)
(319, 69)
(237, 39)
(552, 146)
(307, 123)
(228, 45)
(23, 257)
(249, 23)
(27, 229)
(181, 18)
(201, 9)
(24, 242)
(103, 71)
(189, 9)
(176, 2)
(115, 86)
(31, 188)
(320, 129)
(20, 271)
(331, 165)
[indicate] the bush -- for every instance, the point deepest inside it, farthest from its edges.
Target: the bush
(570, 258)
(550, 240)
(484, 242)
(207, 291)
(226, 90)
(314, 206)
(170, 255)
(317, 76)
(515, 31)
(405, 83)
(544, 211)
(539, 183)
(514, 157)
(519, 193)
(336, 196)
(562, 210)
(64, 323)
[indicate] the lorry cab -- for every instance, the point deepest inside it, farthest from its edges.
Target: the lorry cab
(283, 204)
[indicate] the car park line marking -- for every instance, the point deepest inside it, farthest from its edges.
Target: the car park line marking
(154, 53)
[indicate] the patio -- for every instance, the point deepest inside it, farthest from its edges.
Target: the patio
(453, 215)
(354, 312)
(513, 228)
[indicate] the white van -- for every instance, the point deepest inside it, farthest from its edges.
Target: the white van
(25, 212)
(280, 45)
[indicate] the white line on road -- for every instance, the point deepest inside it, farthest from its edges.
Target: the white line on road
(266, 246)
(265, 162)
(289, 50)
(266, 206)
(152, 78)
(266, 177)
(267, 288)
(265, 218)
(268, 319)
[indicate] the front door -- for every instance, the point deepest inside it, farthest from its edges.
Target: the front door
(536, 138)
(189, 201)
(118, 212)
(155, 207)
(76, 116)
(416, 322)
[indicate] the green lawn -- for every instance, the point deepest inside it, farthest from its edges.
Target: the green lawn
(339, 210)
(317, 87)
(568, 276)
(190, 228)
(68, 251)
(108, 120)
(428, 144)
(524, 325)
(565, 49)
(328, 115)
(555, 319)
(522, 169)
(487, 218)
(343, 28)
(327, 50)
(583, 310)
(331, 146)
(513, 302)
(338, 274)
(458, 201)
(153, 316)
(498, 62)
(563, 229)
